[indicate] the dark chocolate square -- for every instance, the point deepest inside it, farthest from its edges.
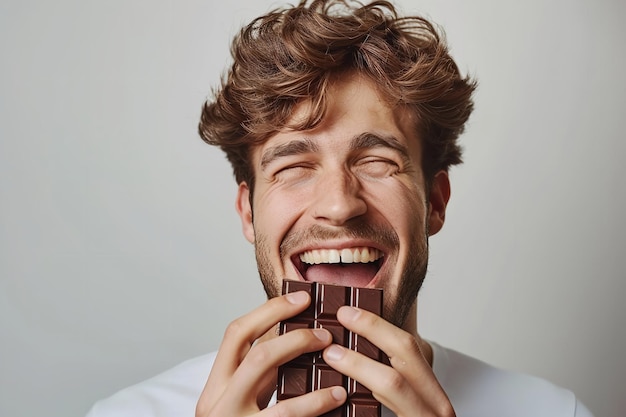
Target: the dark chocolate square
(322, 313)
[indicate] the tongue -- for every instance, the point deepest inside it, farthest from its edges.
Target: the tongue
(349, 275)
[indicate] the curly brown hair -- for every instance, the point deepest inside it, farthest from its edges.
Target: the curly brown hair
(290, 55)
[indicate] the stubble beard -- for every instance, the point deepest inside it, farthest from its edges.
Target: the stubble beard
(395, 310)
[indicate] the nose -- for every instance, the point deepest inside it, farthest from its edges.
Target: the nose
(338, 198)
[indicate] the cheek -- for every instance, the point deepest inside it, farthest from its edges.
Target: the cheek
(402, 204)
(276, 212)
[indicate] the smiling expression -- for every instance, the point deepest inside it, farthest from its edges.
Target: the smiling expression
(345, 202)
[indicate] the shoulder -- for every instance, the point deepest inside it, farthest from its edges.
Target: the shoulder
(171, 393)
(476, 388)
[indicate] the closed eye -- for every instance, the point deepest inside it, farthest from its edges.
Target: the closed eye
(295, 172)
(375, 167)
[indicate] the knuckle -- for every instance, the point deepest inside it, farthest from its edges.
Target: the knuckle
(301, 338)
(370, 319)
(259, 354)
(235, 329)
(202, 409)
(205, 408)
(281, 410)
(408, 343)
(444, 409)
(394, 381)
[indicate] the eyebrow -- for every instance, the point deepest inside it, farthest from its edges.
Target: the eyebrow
(371, 140)
(361, 141)
(295, 147)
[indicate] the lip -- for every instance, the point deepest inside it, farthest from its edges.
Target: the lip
(300, 266)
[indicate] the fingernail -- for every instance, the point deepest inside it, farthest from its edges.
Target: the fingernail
(349, 313)
(322, 335)
(299, 297)
(335, 352)
(338, 394)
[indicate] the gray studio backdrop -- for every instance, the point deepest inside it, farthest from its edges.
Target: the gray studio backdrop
(121, 253)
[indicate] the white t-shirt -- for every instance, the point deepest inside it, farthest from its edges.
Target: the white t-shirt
(475, 389)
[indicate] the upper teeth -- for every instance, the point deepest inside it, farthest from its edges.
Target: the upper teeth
(346, 256)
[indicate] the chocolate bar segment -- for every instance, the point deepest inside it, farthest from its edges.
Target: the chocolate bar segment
(309, 372)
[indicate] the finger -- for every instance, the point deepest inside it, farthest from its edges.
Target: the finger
(239, 337)
(264, 358)
(387, 385)
(409, 382)
(403, 350)
(312, 404)
(242, 332)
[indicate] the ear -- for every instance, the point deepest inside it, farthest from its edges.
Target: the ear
(244, 209)
(439, 196)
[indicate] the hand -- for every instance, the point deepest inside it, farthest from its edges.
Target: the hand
(243, 376)
(408, 387)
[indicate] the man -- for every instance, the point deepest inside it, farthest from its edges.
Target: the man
(340, 122)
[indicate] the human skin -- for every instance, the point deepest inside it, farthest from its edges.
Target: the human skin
(336, 180)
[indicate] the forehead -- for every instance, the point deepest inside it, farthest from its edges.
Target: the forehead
(354, 107)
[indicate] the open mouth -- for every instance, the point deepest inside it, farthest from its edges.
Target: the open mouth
(355, 267)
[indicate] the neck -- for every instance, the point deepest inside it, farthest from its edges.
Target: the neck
(410, 325)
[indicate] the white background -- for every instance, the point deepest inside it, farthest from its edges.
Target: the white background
(121, 254)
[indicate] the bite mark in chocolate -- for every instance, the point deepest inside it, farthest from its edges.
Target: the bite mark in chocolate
(309, 372)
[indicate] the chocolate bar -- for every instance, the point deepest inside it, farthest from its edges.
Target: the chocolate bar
(309, 372)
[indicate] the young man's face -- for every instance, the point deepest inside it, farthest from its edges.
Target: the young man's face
(345, 203)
